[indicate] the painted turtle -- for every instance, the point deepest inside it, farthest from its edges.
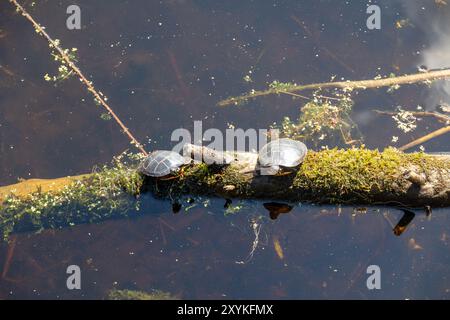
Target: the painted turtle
(161, 163)
(281, 153)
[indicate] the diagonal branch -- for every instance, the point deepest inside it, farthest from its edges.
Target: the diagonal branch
(78, 72)
(346, 85)
(425, 138)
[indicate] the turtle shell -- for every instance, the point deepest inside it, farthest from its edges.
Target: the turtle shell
(282, 152)
(162, 163)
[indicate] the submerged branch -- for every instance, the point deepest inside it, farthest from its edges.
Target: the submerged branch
(346, 85)
(425, 138)
(440, 117)
(98, 97)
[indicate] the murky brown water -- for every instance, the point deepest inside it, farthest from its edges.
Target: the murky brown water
(163, 65)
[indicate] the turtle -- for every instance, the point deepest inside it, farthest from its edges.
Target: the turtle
(280, 154)
(162, 163)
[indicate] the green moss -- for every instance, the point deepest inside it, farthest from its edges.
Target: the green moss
(212, 179)
(356, 173)
(199, 172)
(109, 192)
(138, 295)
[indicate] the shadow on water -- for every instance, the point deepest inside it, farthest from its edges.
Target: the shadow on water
(163, 65)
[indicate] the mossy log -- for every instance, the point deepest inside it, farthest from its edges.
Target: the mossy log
(351, 176)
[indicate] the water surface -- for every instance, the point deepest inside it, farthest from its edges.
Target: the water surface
(164, 64)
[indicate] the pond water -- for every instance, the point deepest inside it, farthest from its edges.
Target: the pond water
(164, 64)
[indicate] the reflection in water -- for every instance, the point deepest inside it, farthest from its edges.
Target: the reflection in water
(276, 208)
(228, 203)
(176, 207)
(403, 223)
(203, 253)
(428, 210)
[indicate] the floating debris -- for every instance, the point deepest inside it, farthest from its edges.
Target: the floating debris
(139, 295)
(278, 248)
(413, 245)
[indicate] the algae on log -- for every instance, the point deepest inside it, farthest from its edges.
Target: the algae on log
(56, 203)
(351, 176)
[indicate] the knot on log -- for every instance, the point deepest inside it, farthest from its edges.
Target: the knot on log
(244, 162)
(415, 178)
(423, 184)
(426, 191)
(207, 155)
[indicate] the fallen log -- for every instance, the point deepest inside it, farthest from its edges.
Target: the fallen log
(354, 176)
(351, 176)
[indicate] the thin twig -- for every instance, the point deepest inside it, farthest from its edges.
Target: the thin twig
(346, 85)
(295, 95)
(78, 72)
(425, 138)
(308, 98)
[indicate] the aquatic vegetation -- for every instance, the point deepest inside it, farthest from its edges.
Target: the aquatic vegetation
(406, 121)
(323, 121)
(109, 192)
(105, 116)
(247, 78)
(278, 86)
(139, 295)
(64, 71)
(233, 209)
